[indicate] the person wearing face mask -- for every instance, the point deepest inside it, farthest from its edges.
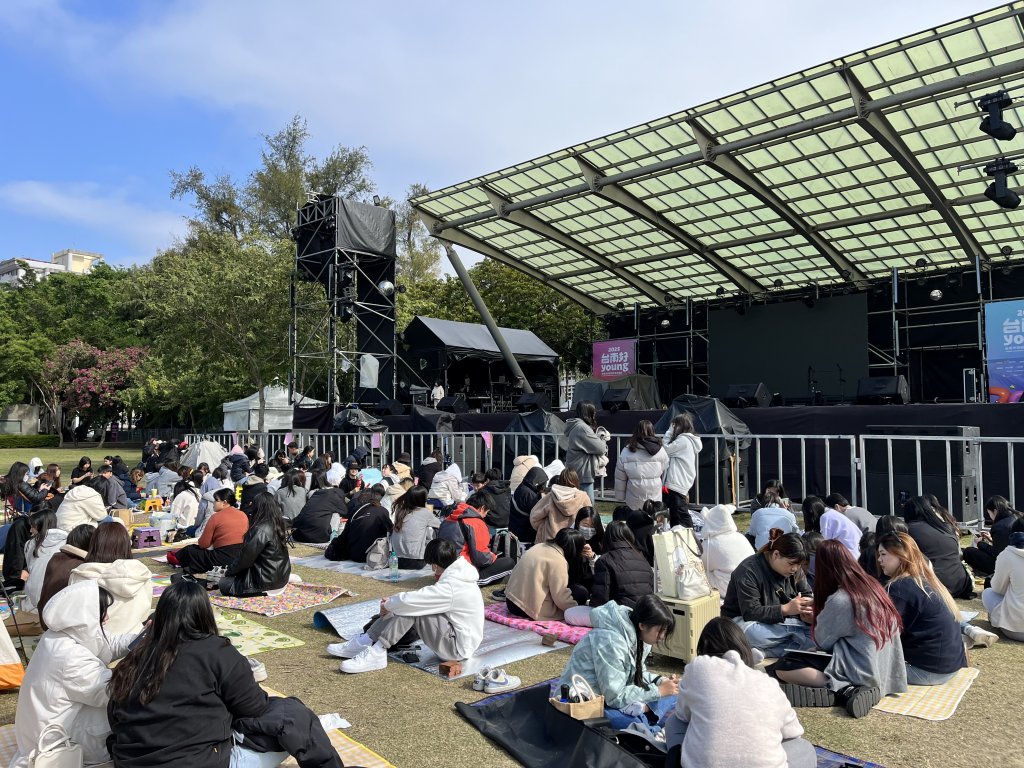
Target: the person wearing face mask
(448, 616)
(588, 522)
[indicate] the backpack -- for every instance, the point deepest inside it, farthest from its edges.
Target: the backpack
(504, 543)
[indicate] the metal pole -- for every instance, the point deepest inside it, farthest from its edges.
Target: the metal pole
(481, 307)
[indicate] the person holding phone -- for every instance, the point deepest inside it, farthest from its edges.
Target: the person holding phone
(82, 472)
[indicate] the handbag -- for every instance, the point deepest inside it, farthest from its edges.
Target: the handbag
(377, 554)
(62, 753)
(588, 707)
(677, 565)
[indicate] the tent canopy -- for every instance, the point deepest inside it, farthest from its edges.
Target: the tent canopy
(831, 176)
(244, 413)
(474, 340)
(208, 451)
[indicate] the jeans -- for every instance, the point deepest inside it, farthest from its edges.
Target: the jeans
(588, 488)
(661, 707)
(990, 599)
(776, 639)
(918, 676)
(247, 758)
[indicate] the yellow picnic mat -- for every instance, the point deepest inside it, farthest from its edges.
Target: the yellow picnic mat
(930, 702)
(350, 751)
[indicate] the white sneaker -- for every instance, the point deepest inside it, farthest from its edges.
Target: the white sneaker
(656, 738)
(498, 681)
(259, 669)
(370, 659)
(350, 648)
(980, 636)
(481, 679)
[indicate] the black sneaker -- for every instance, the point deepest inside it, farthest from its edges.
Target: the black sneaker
(499, 594)
(807, 696)
(858, 700)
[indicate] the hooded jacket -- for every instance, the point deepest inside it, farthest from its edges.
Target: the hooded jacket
(525, 498)
(66, 681)
(163, 481)
(520, 466)
(426, 470)
(682, 461)
(261, 566)
(606, 658)
(467, 529)
(557, 510)
(638, 474)
(313, 523)
(238, 466)
(81, 505)
(58, 571)
(115, 495)
(724, 546)
(499, 503)
(130, 582)
(1008, 580)
(457, 597)
(582, 449)
(447, 486)
(36, 563)
(539, 584)
(621, 575)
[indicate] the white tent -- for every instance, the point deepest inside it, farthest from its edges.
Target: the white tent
(204, 451)
(244, 414)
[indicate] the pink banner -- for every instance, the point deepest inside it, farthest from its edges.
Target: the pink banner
(614, 358)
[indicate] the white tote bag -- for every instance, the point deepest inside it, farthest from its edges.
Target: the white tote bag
(62, 753)
(678, 566)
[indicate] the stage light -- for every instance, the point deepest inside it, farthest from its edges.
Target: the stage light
(997, 191)
(1006, 250)
(778, 283)
(921, 263)
(719, 291)
(376, 199)
(993, 124)
(665, 323)
(620, 306)
(386, 287)
(935, 295)
(846, 274)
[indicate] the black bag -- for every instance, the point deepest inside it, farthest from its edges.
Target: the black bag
(505, 544)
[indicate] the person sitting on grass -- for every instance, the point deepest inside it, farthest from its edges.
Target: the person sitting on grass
(1004, 600)
(325, 507)
(221, 539)
(466, 526)
(771, 514)
(448, 616)
(71, 555)
(768, 596)
(527, 495)
(46, 541)
(621, 574)
(939, 541)
(545, 583)
(367, 523)
(724, 546)
(612, 659)
(415, 525)
(262, 566)
(983, 555)
(858, 626)
(722, 685)
(558, 509)
(185, 507)
(83, 503)
(932, 645)
(868, 559)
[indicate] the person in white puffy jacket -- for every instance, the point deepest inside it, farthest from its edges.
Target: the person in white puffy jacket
(447, 487)
(66, 681)
(683, 448)
(82, 504)
(724, 546)
(46, 541)
(640, 468)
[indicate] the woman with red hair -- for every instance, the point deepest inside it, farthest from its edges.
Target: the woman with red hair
(858, 626)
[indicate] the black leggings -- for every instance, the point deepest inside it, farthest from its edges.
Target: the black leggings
(678, 512)
(981, 558)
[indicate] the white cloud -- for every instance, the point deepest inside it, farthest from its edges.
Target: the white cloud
(109, 212)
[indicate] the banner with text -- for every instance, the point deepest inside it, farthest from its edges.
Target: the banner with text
(614, 358)
(1004, 339)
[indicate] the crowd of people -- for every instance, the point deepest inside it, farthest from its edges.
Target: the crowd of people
(853, 607)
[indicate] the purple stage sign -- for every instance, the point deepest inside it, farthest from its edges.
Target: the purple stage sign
(614, 358)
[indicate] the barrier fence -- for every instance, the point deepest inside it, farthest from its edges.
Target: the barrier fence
(879, 472)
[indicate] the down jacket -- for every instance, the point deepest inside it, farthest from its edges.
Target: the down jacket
(131, 585)
(621, 575)
(261, 566)
(724, 546)
(638, 473)
(81, 505)
(36, 563)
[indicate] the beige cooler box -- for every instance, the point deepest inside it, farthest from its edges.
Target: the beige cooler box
(691, 617)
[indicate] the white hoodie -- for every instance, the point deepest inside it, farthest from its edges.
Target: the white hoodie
(448, 487)
(682, 461)
(36, 564)
(130, 582)
(1008, 580)
(66, 680)
(724, 546)
(81, 505)
(457, 597)
(520, 466)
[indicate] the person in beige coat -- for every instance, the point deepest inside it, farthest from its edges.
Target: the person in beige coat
(558, 509)
(540, 587)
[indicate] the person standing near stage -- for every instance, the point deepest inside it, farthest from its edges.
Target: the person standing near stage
(437, 394)
(682, 447)
(584, 449)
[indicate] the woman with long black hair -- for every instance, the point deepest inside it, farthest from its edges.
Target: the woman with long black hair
(262, 566)
(46, 541)
(1001, 517)
(415, 525)
(641, 467)
(940, 543)
(612, 659)
(548, 578)
(292, 494)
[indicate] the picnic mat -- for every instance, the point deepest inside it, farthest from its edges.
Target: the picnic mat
(930, 702)
(249, 637)
(829, 759)
(501, 644)
(161, 581)
(296, 597)
(498, 612)
(357, 569)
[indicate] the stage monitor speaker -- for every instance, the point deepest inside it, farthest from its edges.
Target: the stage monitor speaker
(879, 390)
(748, 396)
(620, 400)
(388, 408)
(532, 401)
(453, 403)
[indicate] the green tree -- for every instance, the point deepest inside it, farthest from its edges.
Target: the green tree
(419, 254)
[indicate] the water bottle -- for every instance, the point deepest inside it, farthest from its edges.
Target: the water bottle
(393, 566)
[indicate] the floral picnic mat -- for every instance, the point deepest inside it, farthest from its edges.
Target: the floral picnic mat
(498, 612)
(296, 597)
(249, 637)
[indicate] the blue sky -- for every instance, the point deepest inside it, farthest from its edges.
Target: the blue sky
(104, 99)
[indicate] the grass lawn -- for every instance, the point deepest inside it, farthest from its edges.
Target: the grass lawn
(68, 457)
(408, 717)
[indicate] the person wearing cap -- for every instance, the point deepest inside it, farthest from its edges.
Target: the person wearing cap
(351, 484)
(114, 496)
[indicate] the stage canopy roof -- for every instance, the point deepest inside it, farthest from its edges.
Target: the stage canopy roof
(832, 176)
(474, 340)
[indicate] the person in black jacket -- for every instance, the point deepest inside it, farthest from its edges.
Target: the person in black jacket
(263, 565)
(499, 500)
(369, 522)
(940, 544)
(645, 523)
(253, 486)
(23, 494)
(174, 697)
(429, 467)
(621, 574)
(529, 492)
(982, 556)
(313, 524)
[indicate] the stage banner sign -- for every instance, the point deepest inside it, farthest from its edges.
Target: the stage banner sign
(614, 358)
(1004, 339)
